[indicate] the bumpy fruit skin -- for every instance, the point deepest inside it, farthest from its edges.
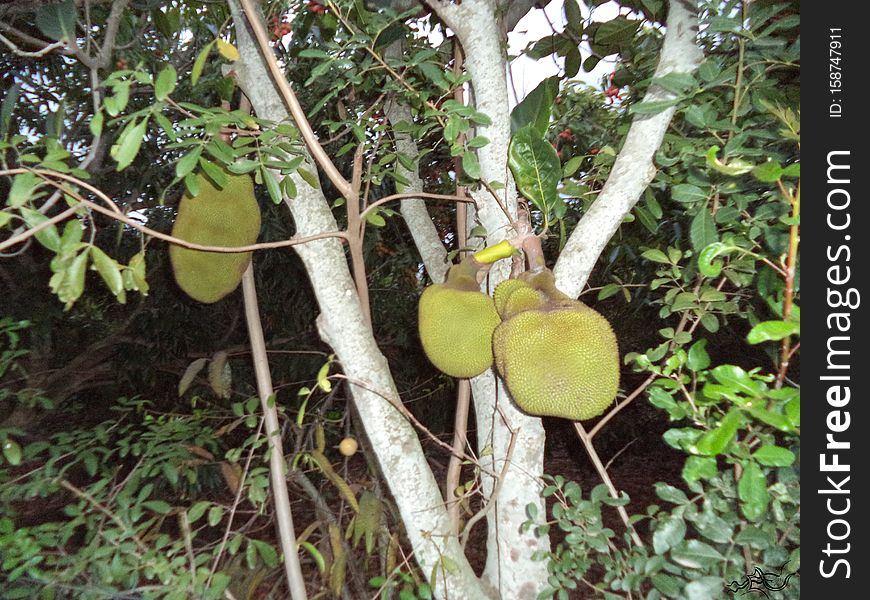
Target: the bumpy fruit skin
(503, 291)
(216, 217)
(456, 324)
(558, 357)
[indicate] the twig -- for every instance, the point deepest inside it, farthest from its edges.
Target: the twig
(602, 472)
(460, 439)
(37, 54)
(235, 504)
(96, 504)
(791, 271)
(289, 97)
(277, 464)
(138, 226)
(408, 195)
(637, 392)
(496, 491)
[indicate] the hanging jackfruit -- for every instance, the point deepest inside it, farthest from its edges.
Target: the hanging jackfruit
(558, 357)
(456, 322)
(215, 217)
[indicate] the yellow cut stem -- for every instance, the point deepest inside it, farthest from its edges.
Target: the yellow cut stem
(489, 255)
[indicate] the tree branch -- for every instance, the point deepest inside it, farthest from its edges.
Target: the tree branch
(277, 464)
(633, 170)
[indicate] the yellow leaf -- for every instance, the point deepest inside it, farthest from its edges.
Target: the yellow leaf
(227, 50)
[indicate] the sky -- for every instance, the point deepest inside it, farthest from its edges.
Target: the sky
(540, 22)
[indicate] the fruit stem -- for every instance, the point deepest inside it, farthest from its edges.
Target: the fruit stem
(491, 254)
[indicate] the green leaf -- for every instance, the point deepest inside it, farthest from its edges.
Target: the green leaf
(58, 20)
(72, 280)
(734, 168)
(309, 177)
(376, 219)
(668, 534)
(699, 467)
(8, 106)
(199, 63)
(536, 169)
(652, 107)
(707, 263)
(191, 182)
(776, 420)
(616, 32)
(768, 172)
(752, 490)
(713, 527)
(187, 163)
(695, 554)
(703, 588)
(676, 82)
(669, 586)
(215, 514)
(128, 144)
(271, 185)
(535, 108)
(688, 193)
(703, 230)
(570, 167)
(197, 510)
(323, 381)
(656, 255)
(11, 452)
(47, 236)
(772, 331)
(165, 82)
(669, 493)
(715, 442)
(96, 124)
(23, 187)
(158, 506)
(108, 269)
(698, 359)
(737, 379)
(217, 175)
(470, 165)
(773, 456)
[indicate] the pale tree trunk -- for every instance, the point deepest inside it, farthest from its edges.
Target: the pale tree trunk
(515, 442)
(343, 326)
(633, 170)
(508, 487)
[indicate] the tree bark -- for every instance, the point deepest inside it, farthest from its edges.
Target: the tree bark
(342, 325)
(634, 169)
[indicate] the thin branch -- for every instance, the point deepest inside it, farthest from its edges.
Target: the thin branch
(633, 169)
(96, 504)
(493, 498)
(460, 439)
(147, 230)
(602, 472)
(24, 53)
(637, 392)
(292, 102)
(277, 464)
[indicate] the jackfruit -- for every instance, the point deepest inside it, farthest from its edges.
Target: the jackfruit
(215, 217)
(559, 357)
(456, 322)
(503, 290)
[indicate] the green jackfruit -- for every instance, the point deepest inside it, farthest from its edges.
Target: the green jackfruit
(558, 358)
(456, 322)
(215, 217)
